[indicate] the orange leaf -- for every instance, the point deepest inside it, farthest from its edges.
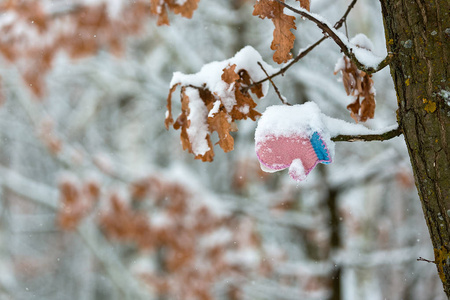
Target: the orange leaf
(183, 122)
(209, 155)
(306, 4)
(229, 75)
(186, 10)
(359, 85)
(169, 118)
(283, 38)
(219, 122)
(244, 107)
(246, 80)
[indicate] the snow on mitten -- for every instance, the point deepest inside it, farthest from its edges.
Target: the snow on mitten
(292, 137)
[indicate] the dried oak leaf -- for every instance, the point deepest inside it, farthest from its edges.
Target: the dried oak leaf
(73, 207)
(159, 8)
(186, 9)
(283, 38)
(358, 84)
(229, 75)
(213, 112)
(184, 123)
(247, 81)
(306, 4)
(219, 122)
(245, 107)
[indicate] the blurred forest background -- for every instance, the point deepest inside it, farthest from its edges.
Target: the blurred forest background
(98, 200)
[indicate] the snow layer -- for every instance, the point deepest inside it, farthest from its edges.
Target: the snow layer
(362, 41)
(198, 128)
(337, 127)
(301, 120)
(210, 74)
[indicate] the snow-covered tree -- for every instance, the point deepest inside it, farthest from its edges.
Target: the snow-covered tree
(99, 201)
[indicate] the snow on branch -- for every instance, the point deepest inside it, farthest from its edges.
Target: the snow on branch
(342, 131)
(364, 59)
(368, 137)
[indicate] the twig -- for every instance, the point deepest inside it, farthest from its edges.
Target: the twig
(331, 33)
(368, 137)
(344, 17)
(290, 64)
(274, 86)
(307, 50)
(426, 260)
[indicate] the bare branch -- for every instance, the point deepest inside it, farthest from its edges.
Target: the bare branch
(308, 49)
(368, 137)
(344, 17)
(426, 260)
(328, 31)
(274, 86)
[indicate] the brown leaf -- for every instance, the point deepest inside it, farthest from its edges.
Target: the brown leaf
(244, 108)
(367, 108)
(219, 122)
(306, 4)
(73, 205)
(283, 38)
(186, 10)
(359, 85)
(354, 110)
(163, 17)
(183, 122)
(229, 75)
(209, 155)
(169, 118)
(246, 80)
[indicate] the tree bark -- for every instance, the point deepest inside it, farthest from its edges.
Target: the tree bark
(418, 34)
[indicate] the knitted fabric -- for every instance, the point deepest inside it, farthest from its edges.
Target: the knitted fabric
(279, 152)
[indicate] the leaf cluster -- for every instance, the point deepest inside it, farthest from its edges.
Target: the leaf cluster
(213, 112)
(359, 85)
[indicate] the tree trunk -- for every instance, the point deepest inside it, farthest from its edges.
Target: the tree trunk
(418, 34)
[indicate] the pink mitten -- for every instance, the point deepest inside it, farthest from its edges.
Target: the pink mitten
(288, 137)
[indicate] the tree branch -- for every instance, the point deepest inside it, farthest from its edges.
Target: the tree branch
(307, 50)
(368, 137)
(328, 31)
(426, 260)
(274, 86)
(344, 17)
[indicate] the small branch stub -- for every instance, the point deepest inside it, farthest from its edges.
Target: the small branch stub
(426, 260)
(368, 137)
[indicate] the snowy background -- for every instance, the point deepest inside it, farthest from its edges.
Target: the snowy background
(99, 201)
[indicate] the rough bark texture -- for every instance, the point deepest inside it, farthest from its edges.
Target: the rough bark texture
(418, 33)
